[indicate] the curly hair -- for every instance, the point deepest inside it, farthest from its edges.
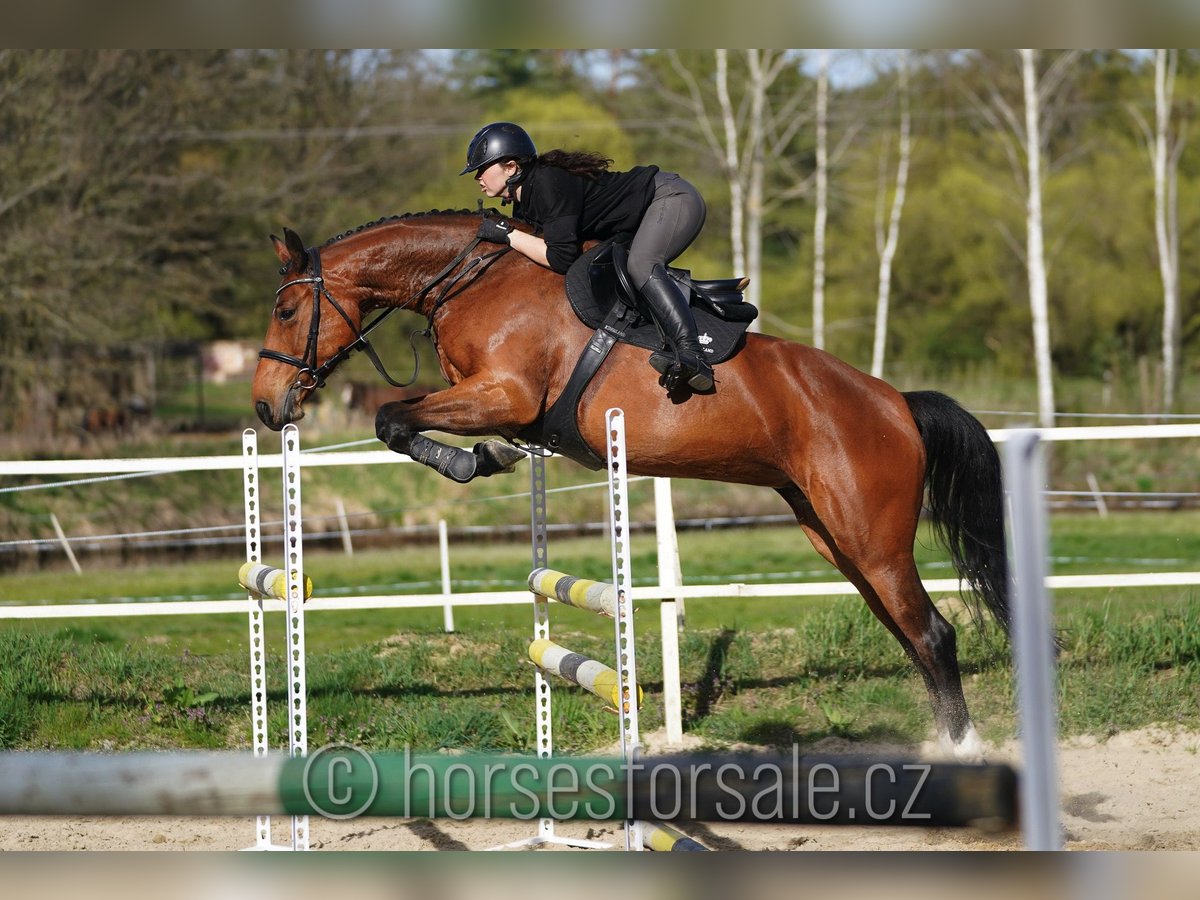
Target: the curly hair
(577, 162)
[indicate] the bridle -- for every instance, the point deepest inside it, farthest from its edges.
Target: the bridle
(309, 375)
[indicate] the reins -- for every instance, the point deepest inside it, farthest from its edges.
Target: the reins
(316, 375)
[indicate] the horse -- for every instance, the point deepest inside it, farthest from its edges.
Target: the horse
(853, 457)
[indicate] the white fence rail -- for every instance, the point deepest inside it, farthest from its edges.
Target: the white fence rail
(667, 587)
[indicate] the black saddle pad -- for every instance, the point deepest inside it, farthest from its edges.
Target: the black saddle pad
(592, 290)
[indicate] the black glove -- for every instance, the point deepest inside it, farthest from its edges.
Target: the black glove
(495, 231)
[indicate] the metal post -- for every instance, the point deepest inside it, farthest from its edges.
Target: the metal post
(1033, 645)
(444, 553)
(671, 609)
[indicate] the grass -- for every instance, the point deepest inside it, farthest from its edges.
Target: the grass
(765, 672)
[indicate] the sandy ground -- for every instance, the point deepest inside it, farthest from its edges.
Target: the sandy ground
(1134, 791)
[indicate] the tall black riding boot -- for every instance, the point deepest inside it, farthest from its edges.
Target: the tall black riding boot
(674, 315)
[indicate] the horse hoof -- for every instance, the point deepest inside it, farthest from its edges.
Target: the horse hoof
(497, 457)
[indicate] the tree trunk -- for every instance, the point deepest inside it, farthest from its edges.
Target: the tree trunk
(888, 245)
(737, 202)
(822, 212)
(1034, 242)
(1166, 228)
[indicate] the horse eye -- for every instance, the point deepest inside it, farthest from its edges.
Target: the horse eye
(285, 314)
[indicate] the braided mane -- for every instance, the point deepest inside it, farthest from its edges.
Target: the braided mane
(488, 213)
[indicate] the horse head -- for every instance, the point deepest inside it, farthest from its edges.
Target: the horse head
(310, 331)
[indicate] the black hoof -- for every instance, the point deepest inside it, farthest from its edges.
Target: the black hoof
(496, 457)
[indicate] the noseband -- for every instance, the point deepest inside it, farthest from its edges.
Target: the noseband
(309, 375)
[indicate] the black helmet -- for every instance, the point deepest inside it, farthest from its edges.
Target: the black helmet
(498, 141)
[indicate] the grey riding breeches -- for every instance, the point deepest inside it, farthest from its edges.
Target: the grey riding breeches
(672, 221)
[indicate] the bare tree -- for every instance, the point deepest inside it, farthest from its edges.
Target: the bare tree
(1165, 145)
(821, 213)
(1023, 139)
(1035, 258)
(886, 243)
(755, 126)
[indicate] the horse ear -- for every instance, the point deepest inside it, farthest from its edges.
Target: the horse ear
(295, 245)
(281, 250)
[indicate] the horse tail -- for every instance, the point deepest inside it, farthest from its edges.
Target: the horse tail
(965, 496)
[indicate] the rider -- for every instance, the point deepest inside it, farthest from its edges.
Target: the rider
(572, 197)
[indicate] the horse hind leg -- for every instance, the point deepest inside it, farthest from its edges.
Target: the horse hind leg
(894, 593)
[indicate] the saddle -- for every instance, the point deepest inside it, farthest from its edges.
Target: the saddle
(603, 297)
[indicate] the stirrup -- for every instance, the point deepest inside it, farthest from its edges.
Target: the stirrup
(674, 371)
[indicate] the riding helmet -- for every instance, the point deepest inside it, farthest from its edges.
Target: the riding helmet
(496, 142)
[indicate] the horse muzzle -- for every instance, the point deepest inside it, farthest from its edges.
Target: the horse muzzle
(288, 412)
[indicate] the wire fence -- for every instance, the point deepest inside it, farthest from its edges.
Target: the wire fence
(371, 528)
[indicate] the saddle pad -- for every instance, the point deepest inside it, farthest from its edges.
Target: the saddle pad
(718, 338)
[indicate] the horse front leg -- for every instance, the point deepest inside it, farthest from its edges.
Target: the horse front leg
(470, 407)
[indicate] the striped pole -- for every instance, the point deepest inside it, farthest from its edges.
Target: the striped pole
(576, 668)
(595, 596)
(267, 581)
(344, 782)
(660, 837)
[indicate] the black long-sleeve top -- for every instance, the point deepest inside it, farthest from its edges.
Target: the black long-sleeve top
(571, 209)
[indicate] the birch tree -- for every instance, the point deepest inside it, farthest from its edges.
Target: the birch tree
(744, 131)
(1035, 258)
(886, 242)
(1023, 138)
(1165, 145)
(821, 213)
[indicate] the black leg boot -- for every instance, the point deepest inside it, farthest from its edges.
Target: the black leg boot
(687, 364)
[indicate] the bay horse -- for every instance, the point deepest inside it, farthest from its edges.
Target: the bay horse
(852, 456)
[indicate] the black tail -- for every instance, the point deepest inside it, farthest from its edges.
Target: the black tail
(966, 497)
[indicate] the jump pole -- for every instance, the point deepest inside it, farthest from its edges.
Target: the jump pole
(262, 582)
(344, 782)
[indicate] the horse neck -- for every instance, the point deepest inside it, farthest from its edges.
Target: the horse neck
(397, 262)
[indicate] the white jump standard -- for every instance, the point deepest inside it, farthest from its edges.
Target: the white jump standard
(293, 588)
(616, 686)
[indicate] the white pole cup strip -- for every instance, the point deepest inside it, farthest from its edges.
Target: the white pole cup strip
(258, 664)
(444, 555)
(623, 633)
(296, 659)
(1033, 643)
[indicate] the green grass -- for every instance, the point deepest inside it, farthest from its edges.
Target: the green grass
(765, 672)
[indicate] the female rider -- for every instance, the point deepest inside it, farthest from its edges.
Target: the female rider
(572, 197)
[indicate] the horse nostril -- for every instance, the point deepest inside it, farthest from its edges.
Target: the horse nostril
(263, 408)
